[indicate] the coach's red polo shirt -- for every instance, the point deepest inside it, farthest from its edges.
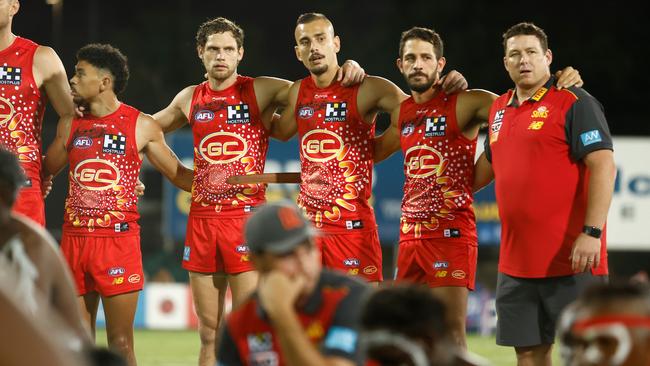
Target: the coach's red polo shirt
(536, 151)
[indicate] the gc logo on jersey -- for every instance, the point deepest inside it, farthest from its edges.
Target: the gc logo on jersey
(423, 161)
(222, 147)
(435, 126)
(321, 145)
(203, 116)
(10, 75)
(114, 144)
(96, 174)
(336, 112)
(238, 114)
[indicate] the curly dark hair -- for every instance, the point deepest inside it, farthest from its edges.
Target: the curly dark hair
(219, 25)
(425, 34)
(107, 57)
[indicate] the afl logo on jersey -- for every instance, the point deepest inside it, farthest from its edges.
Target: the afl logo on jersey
(423, 161)
(82, 142)
(306, 112)
(203, 116)
(222, 147)
(408, 129)
(96, 174)
(321, 145)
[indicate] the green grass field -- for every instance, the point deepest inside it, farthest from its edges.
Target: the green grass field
(180, 348)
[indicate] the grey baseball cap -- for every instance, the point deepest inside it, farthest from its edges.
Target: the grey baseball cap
(277, 228)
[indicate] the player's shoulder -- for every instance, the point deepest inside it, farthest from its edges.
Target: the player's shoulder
(377, 81)
(576, 92)
(270, 81)
(45, 54)
(186, 94)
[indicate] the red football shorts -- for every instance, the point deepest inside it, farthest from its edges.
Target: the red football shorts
(104, 264)
(216, 245)
(355, 253)
(438, 262)
(30, 203)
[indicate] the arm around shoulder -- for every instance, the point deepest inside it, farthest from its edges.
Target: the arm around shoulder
(175, 115)
(56, 156)
(152, 142)
(49, 69)
(284, 127)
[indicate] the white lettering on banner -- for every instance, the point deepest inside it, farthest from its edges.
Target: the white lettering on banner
(629, 213)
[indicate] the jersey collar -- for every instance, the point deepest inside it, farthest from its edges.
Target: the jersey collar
(538, 96)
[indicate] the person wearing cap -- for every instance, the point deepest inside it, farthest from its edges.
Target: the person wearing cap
(300, 314)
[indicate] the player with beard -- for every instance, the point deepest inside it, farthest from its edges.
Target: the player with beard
(105, 148)
(30, 75)
(437, 133)
(336, 129)
(231, 118)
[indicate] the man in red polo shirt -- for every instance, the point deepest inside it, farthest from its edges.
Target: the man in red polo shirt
(300, 314)
(550, 153)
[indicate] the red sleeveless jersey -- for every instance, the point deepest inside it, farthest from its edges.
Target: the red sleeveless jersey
(439, 171)
(21, 108)
(229, 139)
(104, 168)
(336, 155)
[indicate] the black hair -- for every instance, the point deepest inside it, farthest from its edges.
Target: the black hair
(107, 57)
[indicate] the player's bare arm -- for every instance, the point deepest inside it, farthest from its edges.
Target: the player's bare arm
(350, 73)
(377, 94)
(271, 93)
(285, 127)
(50, 76)
(151, 142)
(56, 157)
(175, 115)
(473, 109)
(602, 173)
(483, 173)
(63, 295)
(568, 77)
(452, 82)
(389, 141)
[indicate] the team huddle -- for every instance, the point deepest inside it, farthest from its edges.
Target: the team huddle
(286, 309)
